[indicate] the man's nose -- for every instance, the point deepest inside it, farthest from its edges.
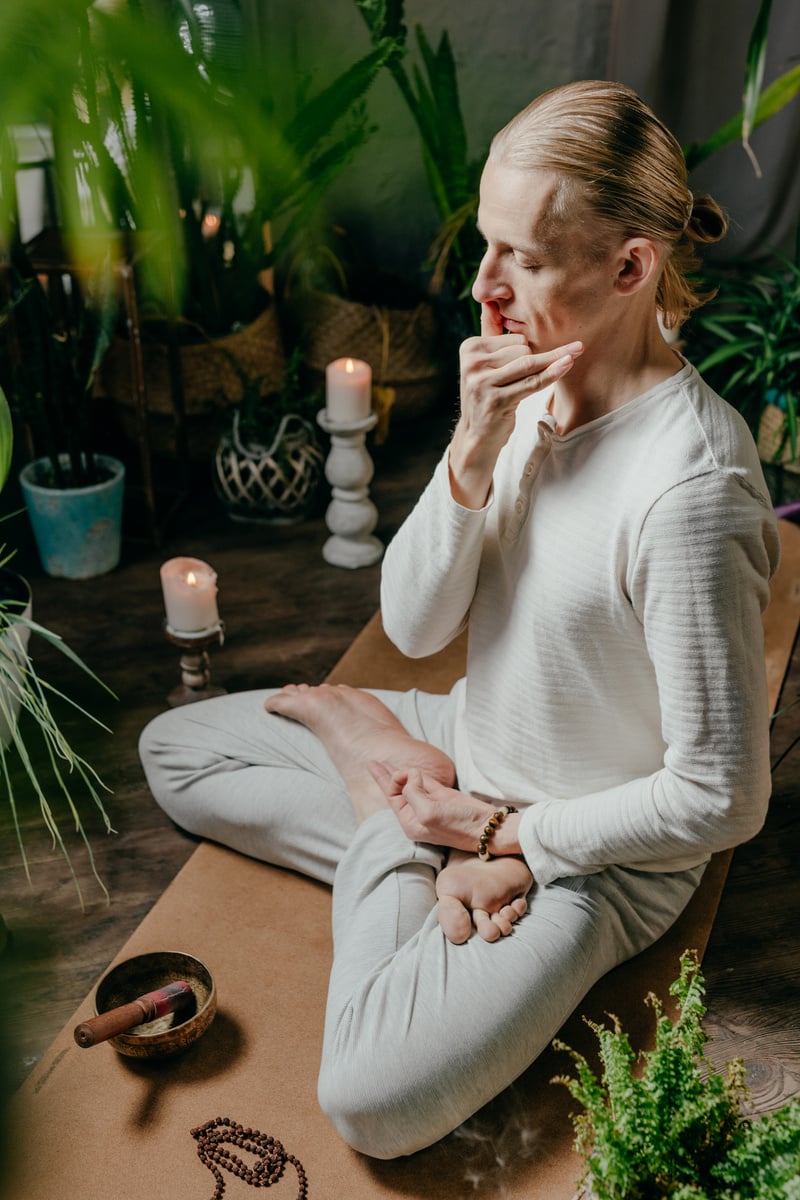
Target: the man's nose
(489, 283)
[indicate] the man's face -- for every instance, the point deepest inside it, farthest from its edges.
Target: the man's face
(537, 270)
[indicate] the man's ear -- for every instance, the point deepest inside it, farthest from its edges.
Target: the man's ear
(638, 265)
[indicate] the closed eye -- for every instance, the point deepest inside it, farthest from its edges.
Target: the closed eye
(526, 263)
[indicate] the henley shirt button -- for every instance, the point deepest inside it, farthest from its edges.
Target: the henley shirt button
(528, 469)
(520, 506)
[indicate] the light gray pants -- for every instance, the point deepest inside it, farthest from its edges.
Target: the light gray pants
(419, 1033)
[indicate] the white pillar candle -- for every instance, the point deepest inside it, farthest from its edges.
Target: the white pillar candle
(190, 595)
(348, 390)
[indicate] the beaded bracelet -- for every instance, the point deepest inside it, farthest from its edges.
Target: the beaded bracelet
(494, 820)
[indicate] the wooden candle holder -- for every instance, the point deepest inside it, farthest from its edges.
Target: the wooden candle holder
(195, 666)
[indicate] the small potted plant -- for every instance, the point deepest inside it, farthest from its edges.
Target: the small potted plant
(268, 465)
(29, 731)
(747, 343)
(667, 1124)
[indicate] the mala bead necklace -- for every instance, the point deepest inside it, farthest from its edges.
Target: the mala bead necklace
(271, 1158)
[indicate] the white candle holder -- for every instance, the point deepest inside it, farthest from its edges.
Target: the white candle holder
(351, 516)
(194, 664)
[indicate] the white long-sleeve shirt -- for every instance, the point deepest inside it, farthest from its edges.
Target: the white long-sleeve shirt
(613, 587)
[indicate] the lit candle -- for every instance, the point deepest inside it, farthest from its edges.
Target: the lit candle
(190, 595)
(210, 224)
(348, 390)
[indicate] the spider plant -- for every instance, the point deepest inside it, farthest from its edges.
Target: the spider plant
(30, 733)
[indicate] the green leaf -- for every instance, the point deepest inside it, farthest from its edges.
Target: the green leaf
(384, 18)
(6, 438)
(774, 98)
(317, 118)
(754, 69)
(724, 353)
(451, 134)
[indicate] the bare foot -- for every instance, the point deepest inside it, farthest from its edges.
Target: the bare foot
(356, 728)
(489, 896)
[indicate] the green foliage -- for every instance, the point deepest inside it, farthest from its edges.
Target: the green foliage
(432, 97)
(384, 19)
(168, 120)
(49, 358)
(173, 144)
(260, 414)
(747, 342)
(667, 1125)
(25, 709)
(757, 105)
(6, 439)
(319, 132)
(66, 772)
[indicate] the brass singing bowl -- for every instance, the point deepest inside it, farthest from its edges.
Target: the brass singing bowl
(170, 1034)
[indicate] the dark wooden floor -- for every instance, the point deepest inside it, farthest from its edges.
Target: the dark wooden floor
(290, 616)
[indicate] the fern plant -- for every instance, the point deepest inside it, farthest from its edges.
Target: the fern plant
(666, 1124)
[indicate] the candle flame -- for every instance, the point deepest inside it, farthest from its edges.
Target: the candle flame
(349, 366)
(191, 579)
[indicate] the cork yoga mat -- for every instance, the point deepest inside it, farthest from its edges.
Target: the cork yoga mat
(91, 1125)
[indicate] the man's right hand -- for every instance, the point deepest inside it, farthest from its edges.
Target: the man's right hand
(497, 372)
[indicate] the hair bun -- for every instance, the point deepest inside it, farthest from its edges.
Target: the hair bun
(707, 222)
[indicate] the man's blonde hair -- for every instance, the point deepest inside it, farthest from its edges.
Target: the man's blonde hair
(609, 150)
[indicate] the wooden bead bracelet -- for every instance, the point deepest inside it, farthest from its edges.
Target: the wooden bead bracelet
(494, 820)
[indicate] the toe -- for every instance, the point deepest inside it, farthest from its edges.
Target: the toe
(486, 927)
(454, 919)
(502, 922)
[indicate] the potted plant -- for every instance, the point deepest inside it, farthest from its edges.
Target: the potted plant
(667, 1124)
(181, 156)
(268, 466)
(747, 343)
(382, 320)
(29, 730)
(238, 212)
(50, 350)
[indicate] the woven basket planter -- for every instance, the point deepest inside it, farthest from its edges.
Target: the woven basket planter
(275, 484)
(781, 470)
(211, 382)
(400, 344)
(773, 444)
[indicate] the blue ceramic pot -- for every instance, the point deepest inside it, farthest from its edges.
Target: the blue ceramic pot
(78, 531)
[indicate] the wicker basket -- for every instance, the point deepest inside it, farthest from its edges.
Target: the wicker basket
(211, 382)
(400, 344)
(274, 484)
(773, 442)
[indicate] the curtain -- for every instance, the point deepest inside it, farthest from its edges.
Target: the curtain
(687, 61)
